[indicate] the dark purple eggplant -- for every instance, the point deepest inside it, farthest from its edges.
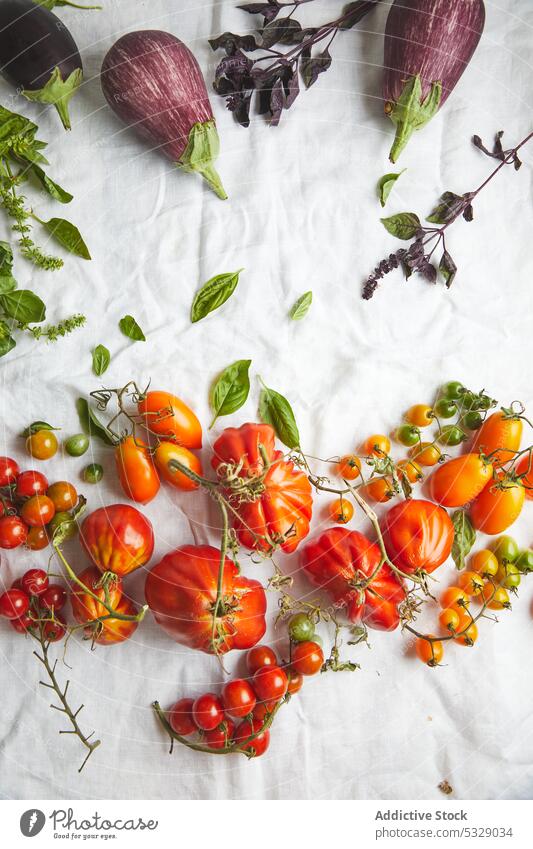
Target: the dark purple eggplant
(152, 81)
(38, 55)
(428, 45)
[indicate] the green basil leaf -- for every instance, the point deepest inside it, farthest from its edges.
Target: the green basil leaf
(464, 538)
(385, 185)
(7, 281)
(53, 189)
(404, 225)
(301, 307)
(90, 423)
(101, 360)
(131, 329)
(275, 410)
(230, 390)
(23, 306)
(213, 294)
(67, 235)
(35, 427)
(7, 343)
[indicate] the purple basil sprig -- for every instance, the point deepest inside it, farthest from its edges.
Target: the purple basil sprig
(268, 65)
(426, 241)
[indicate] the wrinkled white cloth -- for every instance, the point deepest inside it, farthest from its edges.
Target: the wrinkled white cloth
(302, 214)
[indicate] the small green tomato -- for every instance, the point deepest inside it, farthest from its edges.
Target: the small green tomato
(77, 445)
(301, 628)
(93, 473)
(524, 561)
(452, 390)
(408, 435)
(451, 435)
(506, 549)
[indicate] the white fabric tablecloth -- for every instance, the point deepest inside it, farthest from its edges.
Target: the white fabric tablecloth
(302, 214)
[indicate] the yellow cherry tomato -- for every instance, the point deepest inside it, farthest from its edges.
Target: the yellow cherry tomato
(429, 652)
(468, 632)
(449, 619)
(349, 467)
(484, 562)
(341, 511)
(471, 583)
(454, 597)
(410, 470)
(380, 489)
(42, 445)
(496, 598)
(427, 453)
(420, 415)
(377, 445)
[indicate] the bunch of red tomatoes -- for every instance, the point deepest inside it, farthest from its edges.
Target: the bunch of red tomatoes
(31, 509)
(240, 718)
(33, 603)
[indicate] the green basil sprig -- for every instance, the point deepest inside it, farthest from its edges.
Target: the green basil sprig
(275, 410)
(213, 294)
(230, 390)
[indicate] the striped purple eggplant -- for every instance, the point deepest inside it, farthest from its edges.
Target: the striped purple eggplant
(152, 81)
(38, 55)
(428, 45)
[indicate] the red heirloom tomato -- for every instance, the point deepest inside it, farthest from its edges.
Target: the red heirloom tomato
(117, 538)
(9, 470)
(169, 417)
(502, 430)
(13, 532)
(84, 607)
(418, 535)
(336, 560)
(278, 503)
(167, 451)
(181, 591)
(135, 468)
(460, 480)
(498, 506)
(115, 630)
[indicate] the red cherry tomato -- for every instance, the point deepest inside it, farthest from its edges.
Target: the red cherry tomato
(54, 630)
(7, 508)
(270, 683)
(13, 532)
(14, 604)
(180, 717)
(38, 511)
(262, 710)
(37, 539)
(207, 712)
(238, 698)
(22, 624)
(34, 582)
(259, 744)
(63, 495)
(221, 737)
(30, 483)
(260, 656)
(296, 681)
(54, 598)
(9, 470)
(307, 658)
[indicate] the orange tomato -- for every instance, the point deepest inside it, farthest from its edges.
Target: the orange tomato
(525, 467)
(137, 473)
(449, 619)
(427, 453)
(430, 653)
(420, 415)
(469, 632)
(168, 416)
(496, 598)
(378, 445)
(349, 467)
(484, 562)
(341, 511)
(498, 506)
(114, 630)
(380, 489)
(409, 470)
(499, 436)
(454, 597)
(471, 583)
(167, 451)
(460, 480)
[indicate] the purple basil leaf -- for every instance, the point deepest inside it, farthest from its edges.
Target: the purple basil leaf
(279, 30)
(448, 207)
(448, 269)
(356, 12)
(315, 65)
(292, 88)
(428, 271)
(231, 42)
(468, 213)
(268, 10)
(277, 103)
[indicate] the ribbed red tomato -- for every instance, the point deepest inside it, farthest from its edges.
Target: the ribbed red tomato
(117, 538)
(272, 498)
(87, 610)
(181, 592)
(418, 535)
(340, 558)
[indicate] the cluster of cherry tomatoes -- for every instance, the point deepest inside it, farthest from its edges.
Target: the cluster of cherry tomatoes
(31, 509)
(491, 577)
(243, 709)
(32, 603)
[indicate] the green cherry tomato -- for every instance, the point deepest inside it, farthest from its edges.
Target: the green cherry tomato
(452, 390)
(301, 628)
(93, 473)
(508, 576)
(485, 403)
(473, 420)
(67, 524)
(524, 561)
(451, 435)
(77, 445)
(408, 435)
(445, 409)
(506, 549)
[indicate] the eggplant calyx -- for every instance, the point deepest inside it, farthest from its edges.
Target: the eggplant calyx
(58, 92)
(202, 149)
(410, 113)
